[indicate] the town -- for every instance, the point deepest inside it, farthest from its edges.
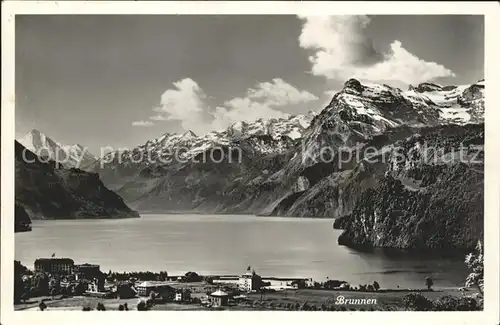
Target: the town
(62, 277)
(59, 283)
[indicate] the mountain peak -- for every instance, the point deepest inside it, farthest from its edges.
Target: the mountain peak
(35, 131)
(189, 134)
(353, 84)
(425, 87)
(74, 155)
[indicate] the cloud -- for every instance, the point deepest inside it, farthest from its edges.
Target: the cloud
(261, 102)
(158, 117)
(343, 50)
(184, 103)
(279, 93)
(187, 103)
(143, 123)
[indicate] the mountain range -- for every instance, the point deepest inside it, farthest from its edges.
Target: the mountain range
(318, 165)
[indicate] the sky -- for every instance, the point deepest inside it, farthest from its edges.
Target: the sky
(120, 80)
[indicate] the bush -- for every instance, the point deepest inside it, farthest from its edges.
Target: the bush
(121, 308)
(450, 303)
(86, 308)
(416, 301)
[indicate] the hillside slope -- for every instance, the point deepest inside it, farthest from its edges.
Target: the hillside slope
(427, 198)
(50, 191)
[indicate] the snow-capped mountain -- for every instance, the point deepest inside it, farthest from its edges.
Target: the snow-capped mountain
(292, 127)
(361, 111)
(431, 104)
(68, 155)
(280, 173)
(283, 132)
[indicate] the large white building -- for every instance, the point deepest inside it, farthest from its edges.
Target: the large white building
(249, 281)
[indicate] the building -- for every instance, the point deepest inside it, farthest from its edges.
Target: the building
(145, 288)
(93, 286)
(219, 298)
(87, 271)
(182, 295)
(61, 266)
(249, 281)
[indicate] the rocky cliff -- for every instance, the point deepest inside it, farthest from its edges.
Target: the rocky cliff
(22, 221)
(430, 195)
(47, 190)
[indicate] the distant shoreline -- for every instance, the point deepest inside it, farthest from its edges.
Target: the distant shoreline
(153, 212)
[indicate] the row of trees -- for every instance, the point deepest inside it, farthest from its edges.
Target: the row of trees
(142, 276)
(151, 276)
(336, 284)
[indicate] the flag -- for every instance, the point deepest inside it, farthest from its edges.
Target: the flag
(249, 268)
(53, 255)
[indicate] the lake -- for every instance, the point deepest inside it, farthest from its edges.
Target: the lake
(216, 244)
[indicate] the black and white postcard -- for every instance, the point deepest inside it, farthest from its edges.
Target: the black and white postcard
(306, 162)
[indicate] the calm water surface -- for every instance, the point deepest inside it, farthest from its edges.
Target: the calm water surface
(214, 244)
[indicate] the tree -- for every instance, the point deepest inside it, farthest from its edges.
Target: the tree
(41, 284)
(429, 282)
(19, 289)
(19, 285)
(192, 277)
(141, 306)
(125, 305)
(376, 286)
(100, 306)
(475, 262)
(125, 291)
(54, 286)
(79, 289)
(42, 306)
